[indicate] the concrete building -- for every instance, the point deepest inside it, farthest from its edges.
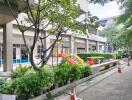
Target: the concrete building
(6, 27)
(13, 45)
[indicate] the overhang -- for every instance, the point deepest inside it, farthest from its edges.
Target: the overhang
(17, 7)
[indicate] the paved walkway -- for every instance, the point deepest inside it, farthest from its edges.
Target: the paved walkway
(109, 86)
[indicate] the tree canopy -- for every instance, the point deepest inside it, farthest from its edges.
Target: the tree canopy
(117, 36)
(126, 16)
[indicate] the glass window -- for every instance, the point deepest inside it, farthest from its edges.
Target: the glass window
(14, 53)
(39, 51)
(81, 50)
(24, 53)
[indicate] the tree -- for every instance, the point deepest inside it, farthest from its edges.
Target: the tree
(126, 16)
(48, 16)
(118, 37)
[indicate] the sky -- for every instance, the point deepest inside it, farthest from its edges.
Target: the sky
(108, 10)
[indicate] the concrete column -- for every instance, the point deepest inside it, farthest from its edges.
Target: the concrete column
(72, 49)
(18, 53)
(97, 46)
(105, 47)
(87, 45)
(8, 47)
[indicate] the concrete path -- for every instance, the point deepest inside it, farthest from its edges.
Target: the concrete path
(109, 86)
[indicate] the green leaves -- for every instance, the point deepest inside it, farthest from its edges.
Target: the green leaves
(30, 85)
(1, 1)
(61, 13)
(126, 16)
(21, 71)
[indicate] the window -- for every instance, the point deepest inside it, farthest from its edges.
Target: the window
(14, 53)
(24, 53)
(81, 50)
(39, 51)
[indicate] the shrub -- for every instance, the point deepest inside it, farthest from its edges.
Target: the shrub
(7, 87)
(62, 73)
(20, 71)
(85, 70)
(32, 84)
(2, 81)
(84, 56)
(88, 70)
(67, 72)
(62, 62)
(75, 72)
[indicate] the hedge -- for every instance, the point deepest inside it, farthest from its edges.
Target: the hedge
(84, 56)
(27, 83)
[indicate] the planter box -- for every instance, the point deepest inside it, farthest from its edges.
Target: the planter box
(7, 97)
(61, 90)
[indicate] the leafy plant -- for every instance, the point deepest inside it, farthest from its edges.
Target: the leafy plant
(32, 85)
(75, 72)
(20, 71)
(97, 55)
(29, 85)
(49, 96)
(7, 87)
(62, 62)
(62, 73)
(2, 81)
(85, 70)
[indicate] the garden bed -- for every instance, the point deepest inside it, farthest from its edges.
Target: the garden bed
(61, 90)
(51, 82)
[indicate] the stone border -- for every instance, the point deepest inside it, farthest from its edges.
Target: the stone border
(5, 74)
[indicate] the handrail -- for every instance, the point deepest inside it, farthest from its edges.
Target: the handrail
(96, 68)
(105, 63)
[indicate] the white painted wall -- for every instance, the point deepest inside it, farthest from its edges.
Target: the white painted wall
(83, 5)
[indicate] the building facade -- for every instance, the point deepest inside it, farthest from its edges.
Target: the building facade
(72, 43)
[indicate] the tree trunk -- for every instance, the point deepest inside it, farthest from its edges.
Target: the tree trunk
(129, 58)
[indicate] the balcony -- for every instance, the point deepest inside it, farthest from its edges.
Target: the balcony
(97, 38)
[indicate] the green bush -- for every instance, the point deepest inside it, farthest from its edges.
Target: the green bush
(7, 87)
(20, 71)
(32, 84)
(62, 73)
(2, 81)
(84, 56)
(29, 84)
(66, 72)
(85, 70)
(63, 61)
(122, 54)
(75, 72)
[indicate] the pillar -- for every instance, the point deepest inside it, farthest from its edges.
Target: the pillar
(97, 46)
(87, 45)
(18, 53)
(72, 49)
(105, 47)
(8, 47)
